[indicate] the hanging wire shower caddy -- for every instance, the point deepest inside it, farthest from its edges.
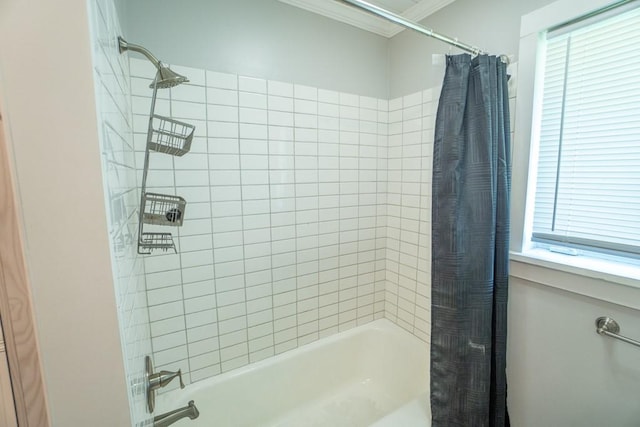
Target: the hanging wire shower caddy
(164, 135)
(163, 209)
(168, 136)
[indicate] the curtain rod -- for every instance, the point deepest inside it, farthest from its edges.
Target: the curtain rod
(390, 16)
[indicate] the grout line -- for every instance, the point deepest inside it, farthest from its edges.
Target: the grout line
(244, 277)
(400, 159)
(272, 322)
(317, 193)
(339, 256)
(179, 255)
(422, 168)
(358, 285)
(211, 218)
(295, 218)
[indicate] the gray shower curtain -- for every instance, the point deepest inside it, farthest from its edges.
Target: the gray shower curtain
(470, 245)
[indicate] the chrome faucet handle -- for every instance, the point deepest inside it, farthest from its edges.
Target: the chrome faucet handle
(163, 378)
(156, 380)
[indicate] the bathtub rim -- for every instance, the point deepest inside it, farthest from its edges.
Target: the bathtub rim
(382, 324)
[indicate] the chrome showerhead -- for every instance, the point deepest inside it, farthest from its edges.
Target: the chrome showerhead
(165, 77)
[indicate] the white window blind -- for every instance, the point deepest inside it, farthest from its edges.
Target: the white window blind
(588, 183)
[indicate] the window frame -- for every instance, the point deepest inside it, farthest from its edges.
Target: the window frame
(529, 78)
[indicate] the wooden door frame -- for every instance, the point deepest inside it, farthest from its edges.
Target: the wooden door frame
(18, 321)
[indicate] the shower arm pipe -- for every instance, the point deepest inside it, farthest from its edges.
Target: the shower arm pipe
(123, 46)
(397, 19)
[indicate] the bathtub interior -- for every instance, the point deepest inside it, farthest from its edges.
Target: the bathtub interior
(355, 378)
(415, 413)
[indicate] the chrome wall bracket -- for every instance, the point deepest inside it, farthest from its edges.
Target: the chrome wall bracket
(609, 327)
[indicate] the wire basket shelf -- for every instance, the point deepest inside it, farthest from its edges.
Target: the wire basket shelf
(163, 209)
(170, 136)
(155, 241)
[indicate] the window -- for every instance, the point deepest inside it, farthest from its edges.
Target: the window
(588, 172)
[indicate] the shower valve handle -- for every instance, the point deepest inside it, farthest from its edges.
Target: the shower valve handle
(156, 380)
(163, 378)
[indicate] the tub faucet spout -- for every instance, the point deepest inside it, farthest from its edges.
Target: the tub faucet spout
(169, 418)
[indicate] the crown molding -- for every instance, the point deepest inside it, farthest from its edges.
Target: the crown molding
(343, 13)
(418, 12)
(366, 21)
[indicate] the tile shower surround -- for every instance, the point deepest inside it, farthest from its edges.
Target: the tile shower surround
(308, 213)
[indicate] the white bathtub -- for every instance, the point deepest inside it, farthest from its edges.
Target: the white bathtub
(373, 375)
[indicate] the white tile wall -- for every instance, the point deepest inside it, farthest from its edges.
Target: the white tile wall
(408, 249)
(285, 227)
(111, 75)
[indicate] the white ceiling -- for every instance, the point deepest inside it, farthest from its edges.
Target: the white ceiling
(413, 10)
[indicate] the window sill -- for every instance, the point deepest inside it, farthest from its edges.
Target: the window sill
(604, 280)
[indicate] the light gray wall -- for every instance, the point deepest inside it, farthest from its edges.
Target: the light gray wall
(492, 25)
(560, 372)
(272, 40)
(260, 38)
